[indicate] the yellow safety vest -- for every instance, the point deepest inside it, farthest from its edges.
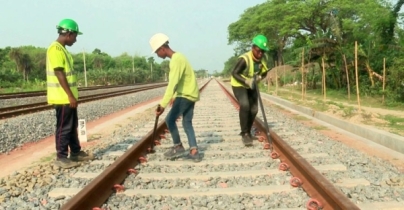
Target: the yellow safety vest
(249, 70)
(55, 92)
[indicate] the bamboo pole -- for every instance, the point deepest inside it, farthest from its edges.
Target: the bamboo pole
(268, 81)
(133, 69)
(324, 82)
(305, 85)
(284, 76)
(292, 86)
(85, 69)
(356, 77)
(347, 78)
(303, 74)
(384, 77)
(276, 78)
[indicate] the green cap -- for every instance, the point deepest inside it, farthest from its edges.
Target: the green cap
(69, 25)
(261, 41)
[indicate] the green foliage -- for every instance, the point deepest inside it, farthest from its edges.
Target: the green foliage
(229, 65)
(23, 68)
(329, 30)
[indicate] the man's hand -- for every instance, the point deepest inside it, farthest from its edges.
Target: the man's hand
(249, 83)
(73, 102)
(65, 85)
(159, 110)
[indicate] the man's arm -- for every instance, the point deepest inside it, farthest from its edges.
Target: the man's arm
(238, 70)
(60, 74)
(174, 77)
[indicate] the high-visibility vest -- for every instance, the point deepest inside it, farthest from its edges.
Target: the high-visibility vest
(249, 70)
(55, 92)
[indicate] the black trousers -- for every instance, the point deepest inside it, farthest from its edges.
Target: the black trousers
(66, 130)
(248, 101)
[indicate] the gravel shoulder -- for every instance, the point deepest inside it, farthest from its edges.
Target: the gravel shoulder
(42, 150)
(28, 189)
(370, 148)
(381, 118)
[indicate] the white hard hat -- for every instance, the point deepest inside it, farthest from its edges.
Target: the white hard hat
(157, 40)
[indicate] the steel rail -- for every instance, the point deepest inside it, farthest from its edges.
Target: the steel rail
(8, 112)
(43, 92)
(323, 193)
(100, 188)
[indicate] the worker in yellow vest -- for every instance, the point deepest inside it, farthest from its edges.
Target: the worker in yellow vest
(249, 64)
(62, 93)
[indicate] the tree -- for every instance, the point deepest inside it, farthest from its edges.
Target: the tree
(22, 61)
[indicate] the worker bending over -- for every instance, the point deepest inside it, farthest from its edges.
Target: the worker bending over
(249, 64)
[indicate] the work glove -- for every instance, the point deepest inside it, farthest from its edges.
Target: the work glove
(249, 83)
(259, 78)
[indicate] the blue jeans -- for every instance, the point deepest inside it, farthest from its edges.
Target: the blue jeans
(184, 107)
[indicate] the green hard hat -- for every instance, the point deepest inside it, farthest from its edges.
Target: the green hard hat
(261, 41)
(69, 25)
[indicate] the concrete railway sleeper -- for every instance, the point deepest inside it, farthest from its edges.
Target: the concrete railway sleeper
(133, 174)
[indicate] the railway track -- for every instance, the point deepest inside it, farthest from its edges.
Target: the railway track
(230, 174)
(43, 92)
(13, 111)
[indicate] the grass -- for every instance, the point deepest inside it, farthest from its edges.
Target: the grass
(94, 136)
(18, 90)
(348, 111)
(302, 118)
(279, 107)
(22, 86)
(319, 127)
(295, 94)
(396, 123)
(337, 102)
(47, 158)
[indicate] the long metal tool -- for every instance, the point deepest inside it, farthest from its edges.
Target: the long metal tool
(155, 127)
(154, 135)
(262, 110)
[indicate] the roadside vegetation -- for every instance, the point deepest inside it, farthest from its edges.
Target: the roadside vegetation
(316, 36)
(324, 54)
(24, 69)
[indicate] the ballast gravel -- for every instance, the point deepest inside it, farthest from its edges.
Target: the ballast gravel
(28, 189)
(30, 128)
(37, 99)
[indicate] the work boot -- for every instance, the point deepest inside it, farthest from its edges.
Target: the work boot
(81, 156)
(253, 137)
(194, 156)
(247, 140)
(175, 152)
(66, 163)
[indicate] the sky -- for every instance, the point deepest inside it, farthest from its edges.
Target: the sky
(198, 29)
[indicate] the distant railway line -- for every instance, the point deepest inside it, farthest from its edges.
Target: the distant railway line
(13, 111)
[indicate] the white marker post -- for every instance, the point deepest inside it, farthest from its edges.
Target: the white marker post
(82, 130)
